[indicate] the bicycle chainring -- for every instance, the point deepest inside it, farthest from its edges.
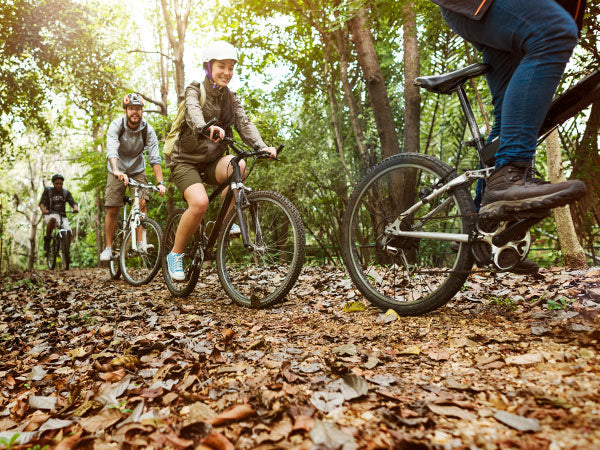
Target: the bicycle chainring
(501, 258)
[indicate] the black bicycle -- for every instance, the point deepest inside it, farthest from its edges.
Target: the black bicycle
(411, 231)
(258, 267)
(59, 247)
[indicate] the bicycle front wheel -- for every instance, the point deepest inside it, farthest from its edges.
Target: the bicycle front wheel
(192, 271)
(139, 266)
(263, 275)
(52, 253)
(408, 275)
(65, 251)
(113, 265)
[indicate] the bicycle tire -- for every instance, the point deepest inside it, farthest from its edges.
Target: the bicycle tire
(114, 266)
(282, 232)
(379, 263)
(180, 288)
(137, 267)
(51, 253)
(65, 252)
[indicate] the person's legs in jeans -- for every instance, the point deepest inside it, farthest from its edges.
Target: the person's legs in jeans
(540, 36)
(504, 65)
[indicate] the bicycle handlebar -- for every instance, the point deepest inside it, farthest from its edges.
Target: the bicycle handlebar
(142, 185)
(231, 143)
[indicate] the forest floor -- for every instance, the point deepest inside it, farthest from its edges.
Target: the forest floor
(87, 362)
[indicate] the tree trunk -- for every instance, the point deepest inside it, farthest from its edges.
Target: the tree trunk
(359, 135)
(412, 97)
(369, 64)
(99, 209)
(33, 220)
(572, 250)
(182, 13)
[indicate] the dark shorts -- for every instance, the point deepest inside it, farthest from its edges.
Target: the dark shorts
(115, 189)
(184, 175)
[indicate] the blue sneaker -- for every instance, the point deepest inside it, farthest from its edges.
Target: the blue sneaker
(235, 230)
(175, 264)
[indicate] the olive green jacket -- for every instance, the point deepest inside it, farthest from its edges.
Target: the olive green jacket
(190, 147)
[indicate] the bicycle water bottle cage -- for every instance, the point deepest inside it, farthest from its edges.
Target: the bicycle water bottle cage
(447, 83)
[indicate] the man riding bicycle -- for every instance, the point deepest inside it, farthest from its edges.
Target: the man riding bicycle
(527, 44)
(127, 138)
(53, 208)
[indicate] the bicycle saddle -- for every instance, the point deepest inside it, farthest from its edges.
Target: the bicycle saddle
(449, 82)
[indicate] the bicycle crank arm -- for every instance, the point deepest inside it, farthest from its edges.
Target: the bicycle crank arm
(515, 231)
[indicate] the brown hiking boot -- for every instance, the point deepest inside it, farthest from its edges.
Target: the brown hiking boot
(513, 191)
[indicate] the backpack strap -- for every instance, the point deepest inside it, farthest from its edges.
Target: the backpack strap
(144, 132)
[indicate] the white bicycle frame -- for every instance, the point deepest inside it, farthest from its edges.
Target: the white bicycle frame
(468, 177)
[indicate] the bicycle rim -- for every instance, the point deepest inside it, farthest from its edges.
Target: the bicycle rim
(261, 277)
(411, 276)
(51, 254)
(65, 252)
(113, 265)
(139, 266)
(185, 287)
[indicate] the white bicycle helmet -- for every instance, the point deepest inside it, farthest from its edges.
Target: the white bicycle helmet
(219, 50)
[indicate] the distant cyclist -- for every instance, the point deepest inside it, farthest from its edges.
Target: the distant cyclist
(53, 206)
(527, 44)
(127, 138)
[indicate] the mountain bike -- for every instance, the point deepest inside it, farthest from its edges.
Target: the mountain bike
(59, 245)
(411, 232)
(257, 268)
(137, 243)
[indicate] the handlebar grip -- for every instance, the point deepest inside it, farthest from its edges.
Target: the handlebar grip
(208, 124)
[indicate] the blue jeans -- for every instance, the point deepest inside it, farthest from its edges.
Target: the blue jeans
(528, 44)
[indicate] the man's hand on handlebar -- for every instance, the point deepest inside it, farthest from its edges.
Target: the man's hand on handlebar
(121, 176)
(272, 152)
(162, 189)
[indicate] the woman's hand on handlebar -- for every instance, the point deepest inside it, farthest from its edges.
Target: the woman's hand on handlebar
(215, 133)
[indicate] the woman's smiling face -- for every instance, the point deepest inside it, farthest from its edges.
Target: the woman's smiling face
(222, 71)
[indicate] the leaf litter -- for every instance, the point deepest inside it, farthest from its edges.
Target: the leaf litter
(88, 362)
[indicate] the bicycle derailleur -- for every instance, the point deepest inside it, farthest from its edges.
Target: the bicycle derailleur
(503, 244)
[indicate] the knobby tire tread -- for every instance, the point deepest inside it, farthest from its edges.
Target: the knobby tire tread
(465, 259)
(298, 259)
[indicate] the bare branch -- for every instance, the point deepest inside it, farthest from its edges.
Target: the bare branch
(159, 103)
(137, 50)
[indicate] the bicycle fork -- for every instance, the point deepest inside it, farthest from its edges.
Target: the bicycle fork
(240, 202)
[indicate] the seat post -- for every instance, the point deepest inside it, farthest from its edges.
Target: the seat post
(466, 106)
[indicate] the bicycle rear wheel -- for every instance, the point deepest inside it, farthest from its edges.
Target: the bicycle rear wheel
(192, 271)
(52, 253)
(141, 265)
(260, 277)
(113, 265)
(409, 275)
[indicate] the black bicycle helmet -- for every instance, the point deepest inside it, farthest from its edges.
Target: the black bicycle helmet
(56, 176)
(133, 99)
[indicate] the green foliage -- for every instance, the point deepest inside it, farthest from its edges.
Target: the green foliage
(560, 303)
(10, 443)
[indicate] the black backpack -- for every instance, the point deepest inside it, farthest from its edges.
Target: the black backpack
(144, 132)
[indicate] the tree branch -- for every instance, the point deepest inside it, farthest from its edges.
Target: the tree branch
(137, 50)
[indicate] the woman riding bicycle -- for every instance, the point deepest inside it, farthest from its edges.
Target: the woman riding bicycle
(196, 159)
